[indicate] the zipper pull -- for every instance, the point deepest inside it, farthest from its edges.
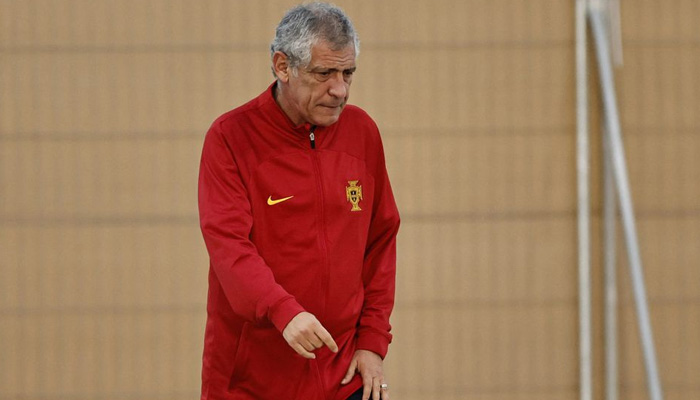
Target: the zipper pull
(312, 137)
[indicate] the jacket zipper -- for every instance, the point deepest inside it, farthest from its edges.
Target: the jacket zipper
(312, 137)
(324, 245)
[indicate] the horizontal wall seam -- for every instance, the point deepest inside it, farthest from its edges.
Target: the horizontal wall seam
(112, 310)
(466, 390)
(263, 47)
(78, 221)
(401, 306)
(388, 132)
(200, 48)
(135, 395)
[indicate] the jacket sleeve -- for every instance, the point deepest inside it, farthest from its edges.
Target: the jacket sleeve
(379, 269)
(226, 221)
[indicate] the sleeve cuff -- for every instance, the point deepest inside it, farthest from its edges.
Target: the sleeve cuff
(282, 313)
(374, 341)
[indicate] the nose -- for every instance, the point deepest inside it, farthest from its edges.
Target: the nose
(338, 87)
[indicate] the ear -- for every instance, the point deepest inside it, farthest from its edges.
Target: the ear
(280, 66)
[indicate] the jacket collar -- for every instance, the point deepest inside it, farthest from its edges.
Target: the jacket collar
(278, 117)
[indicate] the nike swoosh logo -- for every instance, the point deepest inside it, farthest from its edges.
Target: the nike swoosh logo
(271, 202)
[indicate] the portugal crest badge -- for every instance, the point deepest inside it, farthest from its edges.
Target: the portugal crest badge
(354, 195)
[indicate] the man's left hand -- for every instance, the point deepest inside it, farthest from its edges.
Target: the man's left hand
(370, 367)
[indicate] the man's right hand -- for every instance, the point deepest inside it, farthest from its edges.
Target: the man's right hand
(305, 334)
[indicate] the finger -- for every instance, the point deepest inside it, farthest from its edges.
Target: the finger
(307, 345)
(375, 388)
(384, 393)
(303, 352)
(366, 388)
(327, 339)
(315, 341)
(350, 373)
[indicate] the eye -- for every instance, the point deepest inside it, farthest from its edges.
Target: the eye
(323, 75)
(347, 75)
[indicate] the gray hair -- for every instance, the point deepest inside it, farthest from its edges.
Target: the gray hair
(307, 24)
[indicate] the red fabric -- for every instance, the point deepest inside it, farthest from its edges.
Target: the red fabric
(308, 253)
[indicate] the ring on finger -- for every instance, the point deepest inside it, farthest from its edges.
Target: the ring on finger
(384, 386)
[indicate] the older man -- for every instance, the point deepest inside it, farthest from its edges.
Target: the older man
(300, 223)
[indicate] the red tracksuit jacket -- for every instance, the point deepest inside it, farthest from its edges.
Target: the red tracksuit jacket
(293, 224)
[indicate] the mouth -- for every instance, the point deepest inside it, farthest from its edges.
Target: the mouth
(332, 105)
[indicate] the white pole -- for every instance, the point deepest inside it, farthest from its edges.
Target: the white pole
(582, 163)
(612, 121)
(609, 242)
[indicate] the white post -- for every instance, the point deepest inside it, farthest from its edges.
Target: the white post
(582, 163)
(609, 243)
(614, 136)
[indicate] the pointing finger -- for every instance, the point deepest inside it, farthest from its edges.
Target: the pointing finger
(327, 339)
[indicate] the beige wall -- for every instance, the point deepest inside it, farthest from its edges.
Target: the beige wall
(103, 106)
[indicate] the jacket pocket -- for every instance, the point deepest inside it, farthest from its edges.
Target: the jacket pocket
(239, 357)
(265, 364)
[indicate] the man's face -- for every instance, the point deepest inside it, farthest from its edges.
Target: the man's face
(318, 92)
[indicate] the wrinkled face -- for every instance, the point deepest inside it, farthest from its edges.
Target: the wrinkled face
(317, 93)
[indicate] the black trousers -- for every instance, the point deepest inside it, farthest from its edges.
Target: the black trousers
(356, 396)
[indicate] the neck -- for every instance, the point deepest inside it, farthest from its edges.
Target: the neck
(283, 102)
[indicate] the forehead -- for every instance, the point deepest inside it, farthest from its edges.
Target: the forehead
(323, 56)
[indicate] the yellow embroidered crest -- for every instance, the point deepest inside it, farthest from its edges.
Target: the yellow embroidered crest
(354, 194)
